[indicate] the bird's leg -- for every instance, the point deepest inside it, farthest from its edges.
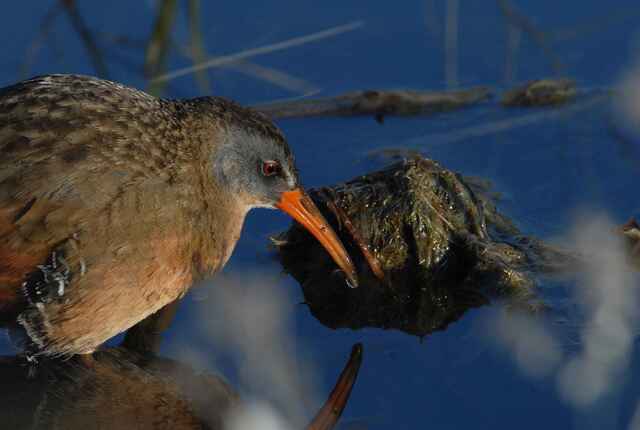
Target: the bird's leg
(145, 336)
(86, 360)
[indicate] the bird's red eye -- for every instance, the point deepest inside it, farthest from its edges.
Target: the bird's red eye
(270, 168)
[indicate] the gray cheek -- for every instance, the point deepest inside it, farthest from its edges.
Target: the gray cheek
(221, 171)
(228, 169)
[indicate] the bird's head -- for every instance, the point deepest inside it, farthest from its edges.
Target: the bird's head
(253, 161)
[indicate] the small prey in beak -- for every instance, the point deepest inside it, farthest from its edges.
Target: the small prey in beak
(300, 207)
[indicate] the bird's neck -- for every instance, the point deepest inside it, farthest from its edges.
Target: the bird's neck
(217, 231)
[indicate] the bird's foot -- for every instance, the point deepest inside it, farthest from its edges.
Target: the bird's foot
(87, 360)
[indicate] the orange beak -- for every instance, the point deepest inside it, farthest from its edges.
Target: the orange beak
(300, 207)
(327, 417)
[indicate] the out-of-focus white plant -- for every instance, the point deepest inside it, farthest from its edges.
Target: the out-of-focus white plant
(533, 347)
(627, 99)
(607, 293)
(256, 416)
(248, 317)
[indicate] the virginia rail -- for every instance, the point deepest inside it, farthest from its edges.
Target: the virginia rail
(113, 202)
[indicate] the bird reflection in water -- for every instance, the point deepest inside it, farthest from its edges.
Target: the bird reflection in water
(124, 388)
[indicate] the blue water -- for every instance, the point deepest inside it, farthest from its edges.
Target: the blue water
(547, 170)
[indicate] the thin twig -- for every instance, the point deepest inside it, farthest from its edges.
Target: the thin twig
(196, 44)
(539, 37)
(38, 41)
(514, 34)
(268, 74)
(158, 47)
(248, 53)
(87, 38)
(274, 76)
(376, 103)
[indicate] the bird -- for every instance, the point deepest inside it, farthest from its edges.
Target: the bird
(113, 202)
(127, 390)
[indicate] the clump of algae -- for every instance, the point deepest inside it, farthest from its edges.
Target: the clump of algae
(437, 239)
